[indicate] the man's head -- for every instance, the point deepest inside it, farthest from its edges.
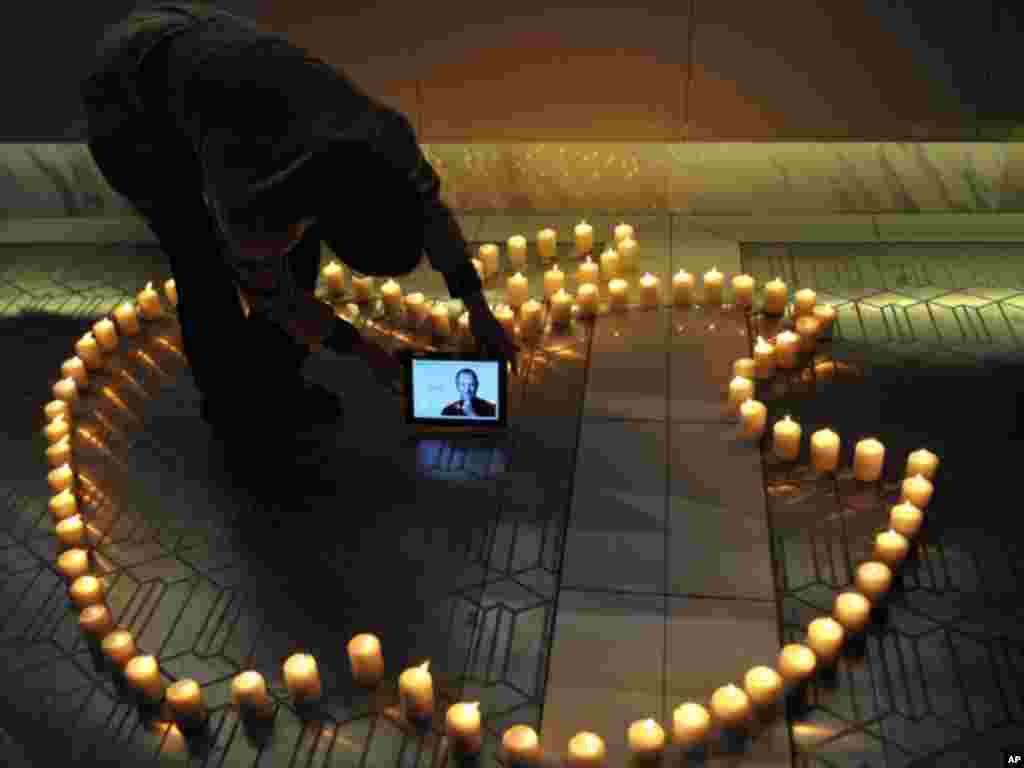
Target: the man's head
(467, 383)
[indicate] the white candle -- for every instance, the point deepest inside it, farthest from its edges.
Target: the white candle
(488, 254)
(825, 450)
(60, 452)
(906, 519)
(787, 439)
(86, 590)
(465, 332)
(744, 367)
(391, 293)
(96, 620)
(361, 289)
(609, 265)
(504, 315)
(517, 252)
(106, 334)
(364, 655)
(730, 705)
(852, 610)
(586, 750)
(439, 319)
(554, 280)
(690, 724)
(63, 505)
(891, 547)
(917, 490)
(807, 329)
(764, 359)
(149, 302)
(185, 699)
(649, 298)
(584, 238)
(143, 674)
(622, 231)
(56, 430)
(302, 678)
(753, 416)
(73, 564)
(416, 691)
(531, 318)
(127, 319)
(588, 272)
(416, 309)
(249, 694)
(334, 276)
(787, 348)
(775, 297)
(462, 724)
(481, 269)
(119, 646)
(561, 308)
(521, 746)
(618, 294)
(546, 244)
(741, 389)
(825, 314)
(56, 408)
(763, 685)
(713, 282)
(873, 579)
(743, 290)
(804, 301)
(922, 462)
(586, 299)
(825, 638)
(868, 458)
(646, 739)
(682, 288)
(89, 351)
(796, 662)
(517, 290)
(171, 289)
(60, 478)
(629, 251)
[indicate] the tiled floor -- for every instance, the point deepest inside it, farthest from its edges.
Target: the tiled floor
(619, 551)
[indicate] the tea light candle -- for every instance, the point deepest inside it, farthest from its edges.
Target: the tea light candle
(682, 288)
(73, 368)
(554, 279)
(417, 309)
(56, 430)
(531, 318)
(609, 264)
(646, 739)
(804, 301)
(465, 332)
(588, 272)
(488, 254)
(149, 303)
(516, 290)
(584, 238)
(741, 389)
(127, 319)
(922, 462)
(86, 590)
(905, 518)
(504, 315)
(185, 699)
(586, 750)
(63, 505)
(690, 724)
(302, 678)
(171, 289)
(753, 416)
(416, 691)
(776, 295)
(852, 610)
(364, 655)
(743, 290)
(106, 334)
(649, 298)
(713, 282)
(807, 329)
(867, 460)
(730, 705)
(787, 439)
(917, 490)
(60, 478)
(796, 662)
(561, 308)
(391, 293)
(586, 299)
(787, 348)
(825, 314)
(96, 620)
(622, 231)
(89, 351)
(56, 408)
(60, 452)
(517, 252)
(361, 288)
(143, 674)
(73, 564)
(481, 269)
(825, 450)
(119, 646)
(618, 296)
(546, 244)
(744, 367)
(521, 746)
(825, 638)
(764, 359)
(891, 547)
(249, 694)
(873, 579)
(334, 276)
(763, 685)
(462, 724)
(629, 251)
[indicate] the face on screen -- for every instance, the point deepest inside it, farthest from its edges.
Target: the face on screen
(452, 389)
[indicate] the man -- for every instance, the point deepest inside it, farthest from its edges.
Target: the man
(244, 153)
(468, 403)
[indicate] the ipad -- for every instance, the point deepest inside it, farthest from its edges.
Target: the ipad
(442, 391)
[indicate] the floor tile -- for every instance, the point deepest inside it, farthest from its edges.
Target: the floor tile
(950, 227)
(628, 385)
(837, 228)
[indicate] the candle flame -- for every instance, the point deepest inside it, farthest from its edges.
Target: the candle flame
(149, 286)
(425, 666)
(474, 705)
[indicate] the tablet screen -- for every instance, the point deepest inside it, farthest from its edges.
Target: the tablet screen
(456, 391)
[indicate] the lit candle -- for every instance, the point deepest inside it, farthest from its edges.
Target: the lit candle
(584, 238)
(416, 308)
(825, 314)
(730, 705)
(763, 685)
(825, 450)
(753, 416)
(249, 694)
(775, 297)
(73, 564)
(618, 294)
(56, 430)
(56, 408)
(586, 750)
(764, 359)
(682, 288)
(171, 289)
(481, 270)
(89, 351)
(852, 610)
(364, 655)
(462, 724)
(917, 490)
(588, 272)
(586, 299)
(185, 699)
(787, 348)
(609, 264)
(744, 367)
(334, 276)
(127, 319)
(143, 674)
(531, 318)
(906, 519)
(63, 505)
(743, 290)
(787, 439)
(361, 288)
(302, 678)
(488, 254)
(106, 334)
(873, 579)
(60, 478)
(741, 389)
(86, 590)
(465, 332)
(96, 620)
(622, 231)
(554, 279)
(922, 462)
(629, 251)
(521, 746)
(504, 315)
(516, 290)
(517, 252)
(60, 452)
(891, 547)
(119, 646)
(868, 458)
(807, 329)
(713, 282)
(804, 301)
(690, 724)
(391, 293)
(546, 244)
(649, 298)
(825, 638)
(416, 691)
(561, 308)
(646, 739)
(149, 303)
(796, 662)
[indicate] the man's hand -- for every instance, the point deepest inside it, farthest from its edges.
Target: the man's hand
(488, 332)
